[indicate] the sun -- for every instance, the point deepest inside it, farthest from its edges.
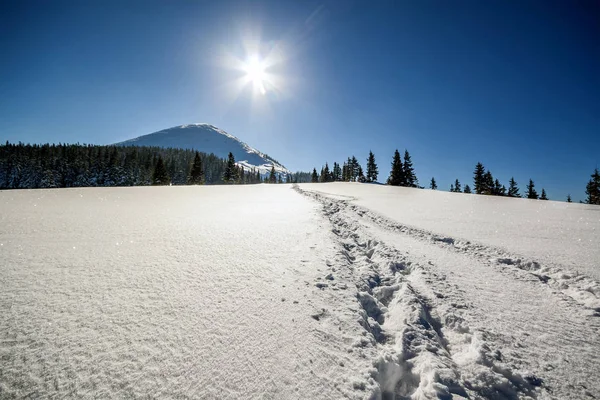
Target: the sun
(255, 73)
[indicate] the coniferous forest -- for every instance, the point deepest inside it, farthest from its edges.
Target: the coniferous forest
(25, 166)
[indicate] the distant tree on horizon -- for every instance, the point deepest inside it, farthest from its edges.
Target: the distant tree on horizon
(457, 186)
(569, 198)
(513, 190)
(543, 196)
(592, 189)
(196, 175)
(467, 189)
(433, 184)
(397, 173)
(478, 178)
(160, 175)
(230, 174)
(272, 175)
(410, 179)
(531, 193)
(372, 171)
(314, 177)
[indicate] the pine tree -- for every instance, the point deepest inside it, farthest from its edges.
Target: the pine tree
(498, 190)
(569, 198)
(478, 178)
(160, 175)
(531, 193)
(488, 183)
(467, 189)
(354, 168)
(543, 196)
(314, 177)
(397, 173)
(513, 190)
(410, 179)
(451, 188)
(372, 171)
(360, 175)
(592, 189)
(272, 175)
(433, 184)
(325, 175)
(258, 177)
(230, 174)
(457, 186)
(337, 172)
(279, 180)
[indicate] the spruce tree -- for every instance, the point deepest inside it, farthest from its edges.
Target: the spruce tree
(397, 173)
(457, 186)
(360, 175)
(467, 189)
(531, 193)
(314, 177)
(230, 174)
(569, 198)
(543, 196)
(478, 178)
(498, 190)
(337, 172)
(279, 180)
(354, 168)
(258, 177)
(592, 189)
(372, 171)
(488, 180)
(272, 175)
(433, 184)
(325, 175)
(451, 188)
(513, 190)
(160, 175)
(410, 179)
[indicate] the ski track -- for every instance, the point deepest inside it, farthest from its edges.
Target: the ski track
(428, 337)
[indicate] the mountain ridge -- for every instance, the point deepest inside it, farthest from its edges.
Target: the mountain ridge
(209, 139)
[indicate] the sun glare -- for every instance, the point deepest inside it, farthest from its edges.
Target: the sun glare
(255, 72)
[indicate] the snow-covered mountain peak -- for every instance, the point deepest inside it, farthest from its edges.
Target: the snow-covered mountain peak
(209, 139)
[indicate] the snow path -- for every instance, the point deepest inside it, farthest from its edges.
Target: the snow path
(490, 330)
(172, 292)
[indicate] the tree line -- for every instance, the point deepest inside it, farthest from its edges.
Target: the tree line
(25, 166)
(401, 173)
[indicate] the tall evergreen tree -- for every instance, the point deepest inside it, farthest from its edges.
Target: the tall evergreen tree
(372, 171)
(325, 175)
(354, 165)
(196, 175)
(478, 178)
(488, 180)
(160, 175)
(410, 179)
(314, 177)
(397, 173)
(451, 188)
(531, 193)
(279, 180)
(457, 186)
(360, 175)
(543, 196)
(467, 189)
(433, 184)
(498, 189)
(258, 177)
(230, 174)
(337, 172)
(272, 175)
(592, 189)
(569, 198)
(513, 190)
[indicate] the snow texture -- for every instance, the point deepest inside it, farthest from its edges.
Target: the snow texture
(326, 291)
(209, 139)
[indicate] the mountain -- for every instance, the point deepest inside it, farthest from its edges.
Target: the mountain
(209, 139)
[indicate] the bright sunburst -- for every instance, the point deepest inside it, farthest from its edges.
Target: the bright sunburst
(255, 73)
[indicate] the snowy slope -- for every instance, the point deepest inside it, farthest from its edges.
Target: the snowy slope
(320, 291)
(209, 139)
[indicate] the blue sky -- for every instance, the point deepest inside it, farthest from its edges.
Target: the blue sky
(513, 84)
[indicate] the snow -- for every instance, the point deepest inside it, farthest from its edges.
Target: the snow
(209, 139)
(294, 292)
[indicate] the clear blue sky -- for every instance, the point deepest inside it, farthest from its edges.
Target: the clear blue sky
(513, 84)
